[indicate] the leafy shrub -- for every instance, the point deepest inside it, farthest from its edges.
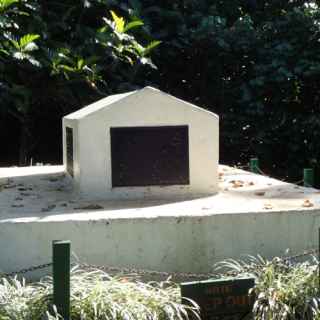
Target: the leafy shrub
(255, 63)
(61, 55)
(95, 295)
(283, 290)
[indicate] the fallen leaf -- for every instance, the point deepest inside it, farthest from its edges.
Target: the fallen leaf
(9, 186)
(48, 208)
(17, 205)
(237, 183)
(90, 207)
(25, 194)
(259, 193)
(307, 203)
(267, 206)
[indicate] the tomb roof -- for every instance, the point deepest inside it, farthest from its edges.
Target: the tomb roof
(113, 99)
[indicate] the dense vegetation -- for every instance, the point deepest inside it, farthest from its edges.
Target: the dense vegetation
(255, 63)
(95, 295)
(56, 57)
(284, 289)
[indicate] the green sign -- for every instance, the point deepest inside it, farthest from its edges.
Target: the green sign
(221, 299)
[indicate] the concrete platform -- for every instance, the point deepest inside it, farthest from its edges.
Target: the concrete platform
(251, 214)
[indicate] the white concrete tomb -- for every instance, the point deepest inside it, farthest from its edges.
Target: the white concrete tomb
(142, 144)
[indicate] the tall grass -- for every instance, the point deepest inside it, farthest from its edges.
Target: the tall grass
(95, 295)
(283, 290)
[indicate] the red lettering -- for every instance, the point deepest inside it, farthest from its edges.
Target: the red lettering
(230, 301)
(238, 300)
(217, 302)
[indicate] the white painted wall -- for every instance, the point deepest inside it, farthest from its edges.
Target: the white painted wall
(165, 235)
(184, 244)
(146, 107)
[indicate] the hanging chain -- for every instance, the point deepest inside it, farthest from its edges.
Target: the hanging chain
(299, 182)
(26, 270)
(149, 272)
(146, 271)
(301, 255)
(114, 269)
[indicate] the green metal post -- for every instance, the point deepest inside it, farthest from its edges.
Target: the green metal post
(254, 165)
(61, 277)
(308, 177)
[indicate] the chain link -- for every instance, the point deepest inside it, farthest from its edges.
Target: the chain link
(299, 182)
(114, 269)
(26, 270)
(149, 272)
(146, 271)
(300, 255)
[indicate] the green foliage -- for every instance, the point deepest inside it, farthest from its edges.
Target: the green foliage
(96, 295)
(5, 4)
(283, 290)
(255, 63)
(51, 49)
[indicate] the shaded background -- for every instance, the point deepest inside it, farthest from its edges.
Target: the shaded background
(256, 64)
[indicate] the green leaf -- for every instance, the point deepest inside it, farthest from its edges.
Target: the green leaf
(119, 22)
(132, 24)
(24, 56)
(151, 46)
(149, 62)
(67, 68)
(63, 55)
(19, 55)
(27, 40)
(80, 64)
(4, 51)
(5, 4)
(31, 46)
(15, 43)
(139, 48)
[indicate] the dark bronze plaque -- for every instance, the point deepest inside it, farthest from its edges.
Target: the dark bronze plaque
(146, 156)
(69, 145)
(221, 299)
